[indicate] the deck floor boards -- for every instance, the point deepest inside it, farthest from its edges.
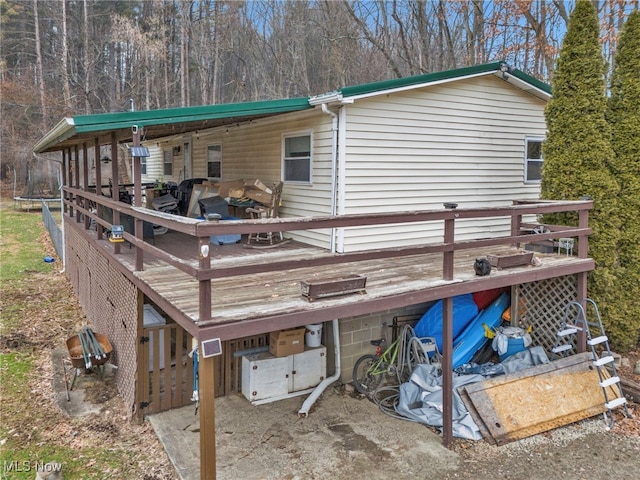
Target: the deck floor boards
(267, 294)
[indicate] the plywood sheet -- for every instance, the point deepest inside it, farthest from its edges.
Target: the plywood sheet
(535, 400)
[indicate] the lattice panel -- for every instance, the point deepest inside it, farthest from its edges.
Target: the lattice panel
(542, 305)
(110, 303)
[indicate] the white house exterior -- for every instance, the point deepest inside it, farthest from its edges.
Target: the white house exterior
(407, 144)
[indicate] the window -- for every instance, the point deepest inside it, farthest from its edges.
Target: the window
(214, 162)
(143, 165)
(168, 162)
(296, 163)
(533, 160)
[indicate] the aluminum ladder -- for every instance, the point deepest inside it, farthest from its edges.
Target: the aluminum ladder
(604, 360)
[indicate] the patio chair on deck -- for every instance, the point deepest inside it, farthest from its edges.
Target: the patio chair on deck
(267, 211)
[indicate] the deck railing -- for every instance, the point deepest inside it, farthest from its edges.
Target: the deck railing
(88, 208)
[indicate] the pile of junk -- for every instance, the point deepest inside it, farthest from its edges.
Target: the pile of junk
(504, 387)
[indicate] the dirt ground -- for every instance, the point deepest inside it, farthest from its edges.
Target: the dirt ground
(346, 436)
(352, 439)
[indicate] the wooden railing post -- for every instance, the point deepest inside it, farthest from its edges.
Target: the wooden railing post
(205, 285)
(447, 259)
(516, 222)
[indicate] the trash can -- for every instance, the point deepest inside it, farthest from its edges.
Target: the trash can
(312, 337)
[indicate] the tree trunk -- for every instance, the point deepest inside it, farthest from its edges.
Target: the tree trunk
(65, 59)
(39, 70)
(87, 78)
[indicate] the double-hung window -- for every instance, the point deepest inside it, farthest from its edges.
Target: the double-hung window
(296, 160)
(214, 162)
(167, 162)
(533, 159)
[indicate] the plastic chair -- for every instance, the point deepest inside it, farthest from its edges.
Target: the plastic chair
(566, 244)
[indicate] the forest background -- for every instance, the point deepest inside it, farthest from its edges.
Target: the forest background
(74, 57)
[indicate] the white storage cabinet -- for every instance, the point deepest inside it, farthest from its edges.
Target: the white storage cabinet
(266, 378)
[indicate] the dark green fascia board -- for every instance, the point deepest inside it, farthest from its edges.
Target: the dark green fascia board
(381, 86)
(117, 120)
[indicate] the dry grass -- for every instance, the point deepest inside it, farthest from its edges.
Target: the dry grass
(39, 312)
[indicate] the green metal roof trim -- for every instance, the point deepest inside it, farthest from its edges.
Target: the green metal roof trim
(545, 87)
(68, 128)
(112, 121)
(438, 76)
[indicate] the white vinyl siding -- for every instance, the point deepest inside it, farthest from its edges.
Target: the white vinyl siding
(460, 142)
(255, 151)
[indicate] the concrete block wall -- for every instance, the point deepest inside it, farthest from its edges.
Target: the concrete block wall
(356, 334)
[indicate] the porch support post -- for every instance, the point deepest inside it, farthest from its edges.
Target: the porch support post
(76, 179)
(85, 182)
(115, 185)
(137, 199)
(96, 157)
(65, 166)
(447, 338)
(142, 374)
(583, 250)
(206, 387)
(447, 371)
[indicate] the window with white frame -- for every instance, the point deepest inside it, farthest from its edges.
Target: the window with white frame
(214, 162)
(167, 162)
(296, 160)
(533, 160)
(143, 165)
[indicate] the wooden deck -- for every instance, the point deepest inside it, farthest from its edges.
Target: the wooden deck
(261, 302)
(232, 291)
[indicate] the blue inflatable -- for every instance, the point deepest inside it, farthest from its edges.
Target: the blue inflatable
(430, 325)
(472, 338)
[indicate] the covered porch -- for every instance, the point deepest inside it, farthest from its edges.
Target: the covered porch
(228, 292)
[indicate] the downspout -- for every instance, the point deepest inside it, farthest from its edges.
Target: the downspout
(308, 403)
(334, 172)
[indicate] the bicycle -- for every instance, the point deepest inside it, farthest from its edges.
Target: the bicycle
(397, 360)
(369, 370)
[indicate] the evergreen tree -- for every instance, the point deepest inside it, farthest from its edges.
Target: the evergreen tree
(577, 152)
(624, 119)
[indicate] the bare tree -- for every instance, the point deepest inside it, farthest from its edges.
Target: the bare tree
(39, 68)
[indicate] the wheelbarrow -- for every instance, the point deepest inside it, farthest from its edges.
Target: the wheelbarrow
(88, 351)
